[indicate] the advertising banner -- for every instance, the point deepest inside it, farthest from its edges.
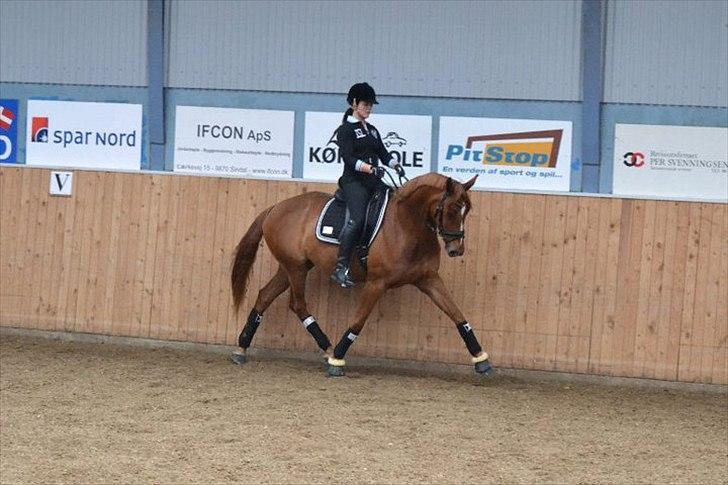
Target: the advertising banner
(507, 153)
(687, 162)
(84, 135)
(8, 130)
(408, 139)
(233, 142)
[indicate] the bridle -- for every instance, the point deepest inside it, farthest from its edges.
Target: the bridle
(447, 236)
(439, 229)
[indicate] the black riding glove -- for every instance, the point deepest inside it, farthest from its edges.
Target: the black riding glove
(399, 169)
(378, 171)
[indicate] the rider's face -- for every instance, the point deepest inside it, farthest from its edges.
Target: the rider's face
(362, 109)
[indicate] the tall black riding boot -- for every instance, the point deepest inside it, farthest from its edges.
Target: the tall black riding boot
(347, 240)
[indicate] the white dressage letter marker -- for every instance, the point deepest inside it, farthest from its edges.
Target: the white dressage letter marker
(61, 183)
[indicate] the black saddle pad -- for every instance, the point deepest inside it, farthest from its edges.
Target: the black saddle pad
(332, 217)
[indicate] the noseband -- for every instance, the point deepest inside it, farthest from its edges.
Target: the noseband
(447, 236)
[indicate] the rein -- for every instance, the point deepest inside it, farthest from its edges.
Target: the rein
(401, 177)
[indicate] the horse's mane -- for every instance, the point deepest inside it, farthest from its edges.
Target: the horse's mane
(431, 179)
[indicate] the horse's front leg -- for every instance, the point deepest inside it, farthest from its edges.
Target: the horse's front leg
(435, 288)
(371, 293)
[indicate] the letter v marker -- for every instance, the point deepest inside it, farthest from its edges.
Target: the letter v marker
(61, 183)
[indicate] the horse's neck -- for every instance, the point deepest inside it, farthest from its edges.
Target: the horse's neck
(420, 203)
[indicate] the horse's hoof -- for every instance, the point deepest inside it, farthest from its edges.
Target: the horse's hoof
(237, 358)
(334, 370)
(484, 368)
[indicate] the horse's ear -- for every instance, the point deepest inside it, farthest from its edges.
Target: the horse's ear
(470, 183)
(448, 186)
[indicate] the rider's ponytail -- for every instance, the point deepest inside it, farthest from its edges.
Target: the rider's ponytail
(346, 115)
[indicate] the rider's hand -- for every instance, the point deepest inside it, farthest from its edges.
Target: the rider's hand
(377, 171)
(398, 168)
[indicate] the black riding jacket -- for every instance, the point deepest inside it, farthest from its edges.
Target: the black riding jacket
(360, 141)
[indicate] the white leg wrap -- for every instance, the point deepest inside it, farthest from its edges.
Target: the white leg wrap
(336, 362)
(480, 358)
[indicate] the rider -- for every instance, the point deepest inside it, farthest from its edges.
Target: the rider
(361, 148)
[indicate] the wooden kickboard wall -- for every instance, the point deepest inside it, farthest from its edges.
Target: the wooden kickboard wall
(609, 286)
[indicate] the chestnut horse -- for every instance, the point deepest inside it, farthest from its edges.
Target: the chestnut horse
(406, 251)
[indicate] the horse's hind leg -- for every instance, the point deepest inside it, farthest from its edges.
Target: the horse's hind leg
(277, 285)
(297, 278)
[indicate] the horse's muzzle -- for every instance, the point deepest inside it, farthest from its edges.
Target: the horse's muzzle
(454, 250)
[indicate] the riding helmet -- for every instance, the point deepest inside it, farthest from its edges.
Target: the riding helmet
(362, 92)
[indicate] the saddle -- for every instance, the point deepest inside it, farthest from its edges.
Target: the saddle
(334, 214)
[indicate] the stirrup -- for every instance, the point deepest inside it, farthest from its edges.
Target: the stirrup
(341, 277)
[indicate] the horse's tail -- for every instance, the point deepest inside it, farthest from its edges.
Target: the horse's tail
(245, 256)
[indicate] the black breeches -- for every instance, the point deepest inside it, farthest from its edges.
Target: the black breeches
(357, 198)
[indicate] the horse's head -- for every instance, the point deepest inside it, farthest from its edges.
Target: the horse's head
(450, 215)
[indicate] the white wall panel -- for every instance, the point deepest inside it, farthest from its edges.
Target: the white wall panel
(667, 52)
(512, 50)
(74, 42)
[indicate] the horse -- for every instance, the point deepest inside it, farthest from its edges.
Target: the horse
(405, 251)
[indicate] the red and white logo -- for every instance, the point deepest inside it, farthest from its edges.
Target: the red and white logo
(6, 118)
(39, 129)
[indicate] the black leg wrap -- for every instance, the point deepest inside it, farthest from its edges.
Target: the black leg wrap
(313, 328)
(466, 332)
(346, 340)
(246, 336)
